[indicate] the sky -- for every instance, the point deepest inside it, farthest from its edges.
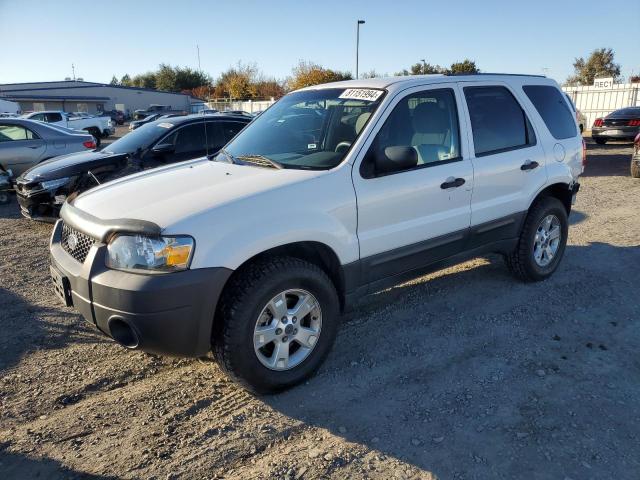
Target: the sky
(103, 39)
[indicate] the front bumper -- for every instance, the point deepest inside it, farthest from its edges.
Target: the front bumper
(171, 314)
(38, 206)
(615, 133)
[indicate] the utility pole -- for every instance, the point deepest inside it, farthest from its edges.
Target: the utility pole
(73, 72)
(360, 22)
(198, 48)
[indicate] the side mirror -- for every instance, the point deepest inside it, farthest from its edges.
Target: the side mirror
(165, 148)
(396, 159)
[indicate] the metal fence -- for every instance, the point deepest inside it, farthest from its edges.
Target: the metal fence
(251, 106)
(595, 102)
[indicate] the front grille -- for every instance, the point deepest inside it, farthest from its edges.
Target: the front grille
(75, 243)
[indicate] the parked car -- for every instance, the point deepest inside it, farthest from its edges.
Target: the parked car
(153, 108)
(148, 119)
(580, 117)
(623, 124)
(99, 127)
(25, 143)
(81, 115)
(152, 118)
(635, 158)
(42, 189)
(336, 191)
(239, 112)
(117, 117)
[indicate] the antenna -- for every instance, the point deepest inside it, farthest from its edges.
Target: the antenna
(198, 49)
(73, 71)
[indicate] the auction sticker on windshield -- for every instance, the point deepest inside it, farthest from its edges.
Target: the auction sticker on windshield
(368, 94)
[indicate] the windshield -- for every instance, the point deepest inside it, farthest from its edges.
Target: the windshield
(138, 139)
(312, 129)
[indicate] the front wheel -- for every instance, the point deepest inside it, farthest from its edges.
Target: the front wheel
(542, 241)
(276, 323)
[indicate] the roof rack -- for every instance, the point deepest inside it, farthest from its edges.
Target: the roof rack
(495, 73)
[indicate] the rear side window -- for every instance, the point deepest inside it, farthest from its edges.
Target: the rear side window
(54, 117)
(498, 121)
(553, 110)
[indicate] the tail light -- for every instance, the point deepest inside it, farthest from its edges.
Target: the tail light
(584, 154)
(598, 122)
(634, 122)
(89, 144)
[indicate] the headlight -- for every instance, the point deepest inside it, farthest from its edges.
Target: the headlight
(150, 254)
(53, 184)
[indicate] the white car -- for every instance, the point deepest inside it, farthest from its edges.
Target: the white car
(99, 127)
(335, 192)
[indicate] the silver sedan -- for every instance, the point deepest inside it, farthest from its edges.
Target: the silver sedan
(24, 143)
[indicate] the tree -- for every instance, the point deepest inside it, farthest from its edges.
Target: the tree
(307, 74)
(270, 88)
(371, 74)
(599, 64)
(114, 81)
(421, 68)
(144, 80)
(634, 79)
(238, 82)
(465, 67)
(125, 80)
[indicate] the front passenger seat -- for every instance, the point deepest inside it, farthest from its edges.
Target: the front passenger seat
(431, 132)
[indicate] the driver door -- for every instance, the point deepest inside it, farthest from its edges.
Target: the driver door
(411, 218)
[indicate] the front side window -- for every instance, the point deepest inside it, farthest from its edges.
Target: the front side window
(498, 121)
(188, 140)
(553, 109)
(38, 117)
(425, 121)
(10, 133)
(311, 129)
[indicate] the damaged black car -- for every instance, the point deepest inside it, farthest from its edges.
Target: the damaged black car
(43, 189)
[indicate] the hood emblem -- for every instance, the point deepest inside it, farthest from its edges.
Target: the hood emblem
(72, 242)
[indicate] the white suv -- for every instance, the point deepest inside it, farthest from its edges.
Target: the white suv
(336, 191)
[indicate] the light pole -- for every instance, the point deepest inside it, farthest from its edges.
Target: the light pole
(360, 22)
(424, 66)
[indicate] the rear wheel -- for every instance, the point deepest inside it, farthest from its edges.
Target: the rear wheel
(276, 324)
(542, 241)
(600, 141)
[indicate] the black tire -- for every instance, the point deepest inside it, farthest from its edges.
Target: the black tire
(521, 261)
(635, 167)
(581, 129)
(600, 141)
(242, 303)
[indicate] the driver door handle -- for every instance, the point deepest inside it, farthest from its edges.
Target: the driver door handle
(529, 165)
(452, 183)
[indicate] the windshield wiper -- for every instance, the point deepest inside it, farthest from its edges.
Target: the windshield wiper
(259, 160)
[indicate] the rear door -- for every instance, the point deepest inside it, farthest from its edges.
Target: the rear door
(508, 160)
(20, 148)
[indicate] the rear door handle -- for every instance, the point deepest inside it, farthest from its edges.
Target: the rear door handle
(529, 165)
(452, 183)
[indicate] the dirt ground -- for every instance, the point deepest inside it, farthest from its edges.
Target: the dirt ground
(463, 374)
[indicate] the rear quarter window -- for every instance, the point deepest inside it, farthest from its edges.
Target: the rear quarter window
(553, 109)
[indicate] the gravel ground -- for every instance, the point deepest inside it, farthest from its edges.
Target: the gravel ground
(462, 374)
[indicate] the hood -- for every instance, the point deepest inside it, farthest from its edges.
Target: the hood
(68, 165)
(169, 194)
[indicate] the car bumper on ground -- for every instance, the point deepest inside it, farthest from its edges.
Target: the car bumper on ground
(166, 314)
(39, 206)
(615, 133)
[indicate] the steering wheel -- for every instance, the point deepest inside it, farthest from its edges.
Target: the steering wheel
(342, 147)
